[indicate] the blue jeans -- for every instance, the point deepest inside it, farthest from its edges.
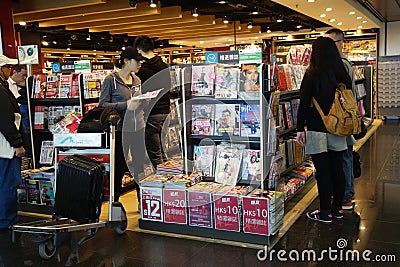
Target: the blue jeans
(348, 173)
(10, 178)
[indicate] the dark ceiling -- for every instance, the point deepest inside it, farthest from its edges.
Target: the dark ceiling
(385, 10)
(238, 10)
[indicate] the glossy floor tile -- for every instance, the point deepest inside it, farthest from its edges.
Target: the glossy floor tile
(373, 226)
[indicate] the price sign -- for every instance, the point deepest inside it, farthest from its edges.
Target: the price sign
(151, 208)
(200, 209)
(255, 215)
(226, 212)
(175, 206)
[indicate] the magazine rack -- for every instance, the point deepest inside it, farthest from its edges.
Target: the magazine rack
(264, 142)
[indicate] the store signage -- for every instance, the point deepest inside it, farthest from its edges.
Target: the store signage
(175, 206)
(200, 209)
(28, 54)
(67, 67)
(250, 56)
(82, 66)
(56, 67)
(226, 212)
(211, 57)
(255, 215)
(102, 66)
(77, 140)
(228, 57)
(151, 204)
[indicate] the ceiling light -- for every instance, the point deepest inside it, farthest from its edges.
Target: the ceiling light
(239, 28)
(153, 3)
(221, 2)
(250, 25)
(332, 20)
(195, 12)
(45, 43)
(359, 31)
(299, 26)
(242, 42)
(68, 48)
(328, 9)
(22, 23)
(360, 27)
(322, 15)
(339, 23)
(313, 29)
(352, 13)
(311, 1)
(359, 17)
(180, 46)
(201, 42)
(123, 48)
(256, 38)
(226, 21)
(268, 31)
(54, 42)
(88, 38)
(111, 39)
(133, 3)
(364, 21)
(279, 20)
(255, 11)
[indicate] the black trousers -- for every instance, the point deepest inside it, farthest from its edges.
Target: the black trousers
(330, 179)
(154, 147)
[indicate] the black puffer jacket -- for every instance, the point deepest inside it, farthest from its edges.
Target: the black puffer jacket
(152, 82)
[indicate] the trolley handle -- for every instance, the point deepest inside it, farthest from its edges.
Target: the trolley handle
(114, 119)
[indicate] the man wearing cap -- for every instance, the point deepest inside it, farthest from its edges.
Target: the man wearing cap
(12, 142)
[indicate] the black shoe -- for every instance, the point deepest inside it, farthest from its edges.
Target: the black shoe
(319, 216)
(337, 213)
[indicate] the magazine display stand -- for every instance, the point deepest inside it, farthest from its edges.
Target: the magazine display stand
(225, 128)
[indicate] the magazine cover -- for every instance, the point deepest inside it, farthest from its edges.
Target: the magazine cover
(228, 162)
(39, 86)
(74, 93)
(203, 157)
(173, 138)
(65, 86)
(33, 191)
(250, 120)
(46, 152)
(46, 193)
(226, 82)
(52, 89)
(203, 80)
(251, 165)
(227, 119)
(250, 86)
(202, 116)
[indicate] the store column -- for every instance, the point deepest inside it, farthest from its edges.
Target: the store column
(8, 42)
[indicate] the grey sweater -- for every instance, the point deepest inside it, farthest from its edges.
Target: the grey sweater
(115, 94)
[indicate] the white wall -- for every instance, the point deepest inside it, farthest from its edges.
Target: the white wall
(392, 41)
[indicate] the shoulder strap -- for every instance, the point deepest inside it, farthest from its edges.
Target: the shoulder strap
(314, 101)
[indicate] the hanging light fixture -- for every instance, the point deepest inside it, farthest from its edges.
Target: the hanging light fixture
(153, 3)
(250, 25)
(195, 12)
(226, 21)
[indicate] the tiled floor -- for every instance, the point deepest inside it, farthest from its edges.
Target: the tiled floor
(374, 226)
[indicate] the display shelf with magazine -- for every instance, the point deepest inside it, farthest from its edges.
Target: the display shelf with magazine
(227, 145)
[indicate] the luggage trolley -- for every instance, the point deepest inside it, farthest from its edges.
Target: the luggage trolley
(46, 231)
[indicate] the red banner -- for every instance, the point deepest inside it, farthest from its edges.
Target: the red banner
(226, 212)
(175, 206)
(255, 215)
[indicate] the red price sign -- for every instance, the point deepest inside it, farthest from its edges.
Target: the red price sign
(255, 215)
(151, 208)
(226, 212)
(174, 206)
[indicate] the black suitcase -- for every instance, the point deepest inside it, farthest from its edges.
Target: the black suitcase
(79, 188)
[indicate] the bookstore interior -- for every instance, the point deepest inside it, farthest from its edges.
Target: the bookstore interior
(230, 138)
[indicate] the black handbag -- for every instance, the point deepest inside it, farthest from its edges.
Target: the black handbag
(363, 132)
(356, 164)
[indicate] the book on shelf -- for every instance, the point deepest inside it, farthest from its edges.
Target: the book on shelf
(226, 82)
(47, 152)
(294, 103)
(203, 160)
(228, 162)
(227, 119)
(250, 120)
(46, 193)
(203, 80)
(251, 165)
(202, 119)
(52, 86)
(282, 82)
(287, 114)
(65, 86)
(360, 90)
(250, 86)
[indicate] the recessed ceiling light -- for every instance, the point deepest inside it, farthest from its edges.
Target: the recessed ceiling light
(242, 42)
(364, 21)
(352, 13)
(45, 43)
(201, 42)
(268, 31)
(322, 15)
(153, 3)
(332, 20)
(311, 1)
(256, 38)
(22, 23)
(221, 2)
(328, 9)
(360, 27)
(339, 23)
(359, 17)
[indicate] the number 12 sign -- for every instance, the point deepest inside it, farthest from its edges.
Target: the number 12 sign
(151, 208)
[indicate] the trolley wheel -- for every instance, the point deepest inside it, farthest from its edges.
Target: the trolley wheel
(120, 227)
(47, 249)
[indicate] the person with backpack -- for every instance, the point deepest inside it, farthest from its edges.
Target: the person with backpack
(116, 92)
(322, 78)
(348, 200)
